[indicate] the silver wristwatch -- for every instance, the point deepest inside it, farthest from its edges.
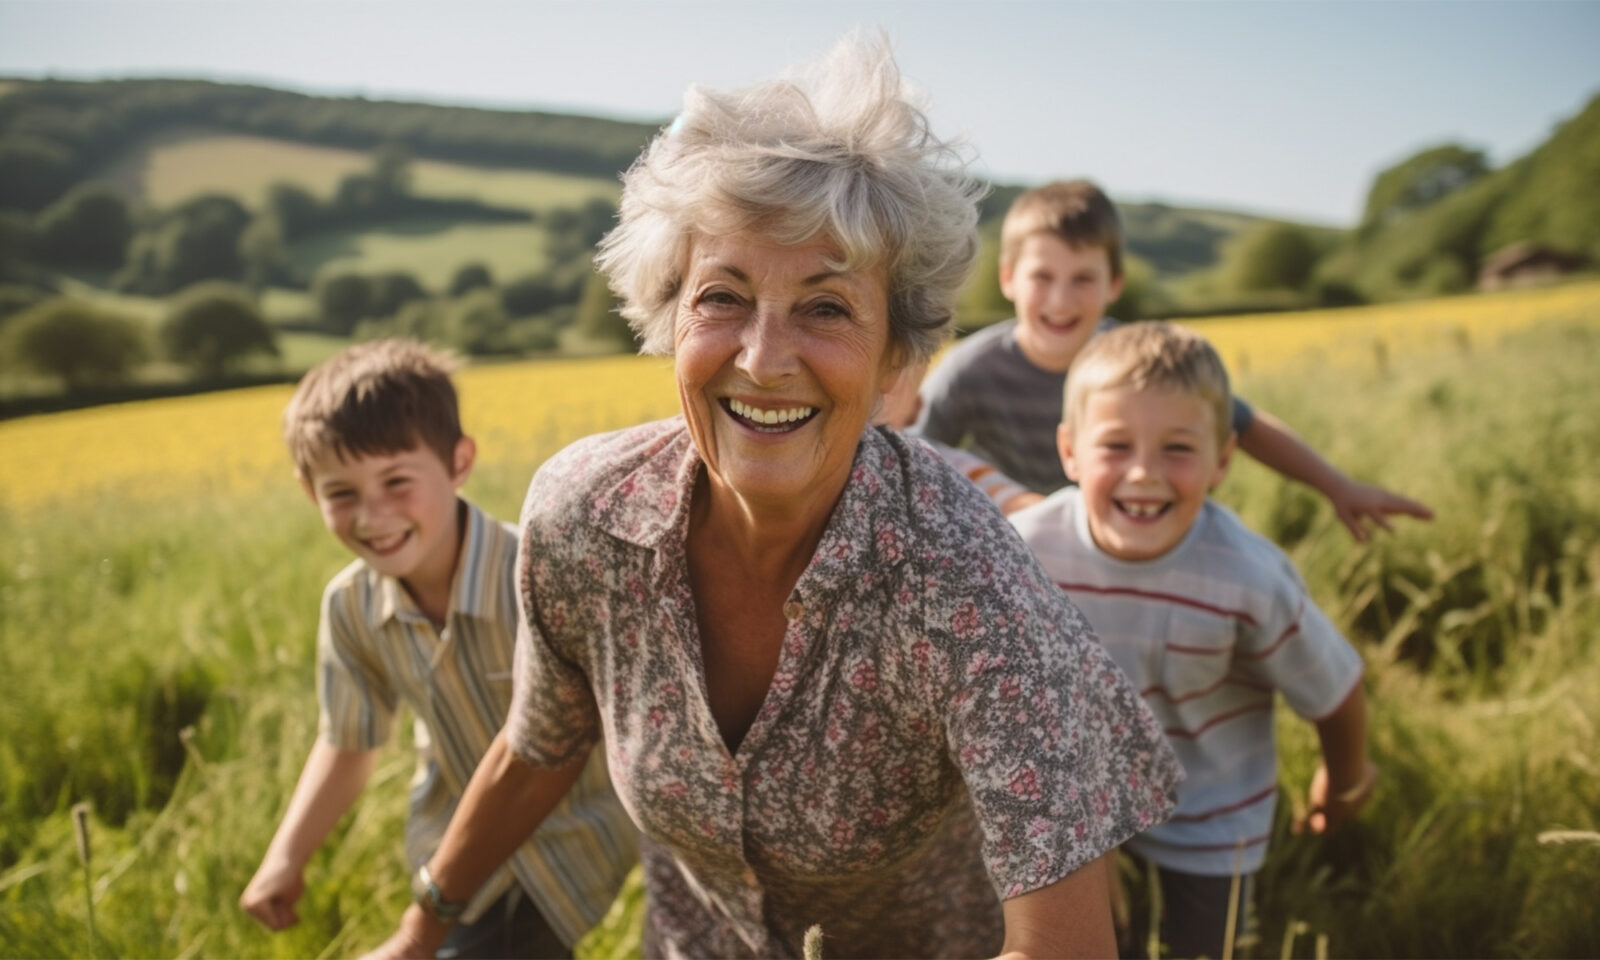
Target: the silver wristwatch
(431, 899)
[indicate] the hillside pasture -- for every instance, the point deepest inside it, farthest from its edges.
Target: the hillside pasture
(430, 250)
(175, 165)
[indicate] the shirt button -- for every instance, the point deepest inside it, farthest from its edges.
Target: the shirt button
(794, 610)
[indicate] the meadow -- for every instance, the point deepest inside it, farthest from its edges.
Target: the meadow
(159, 576)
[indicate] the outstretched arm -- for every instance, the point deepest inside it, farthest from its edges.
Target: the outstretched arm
(329, 784)
(1069, 918)
(1270, 441)
(505, 800)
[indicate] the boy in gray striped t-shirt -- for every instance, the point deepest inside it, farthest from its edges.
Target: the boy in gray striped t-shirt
(1207, 618)
(425, 616)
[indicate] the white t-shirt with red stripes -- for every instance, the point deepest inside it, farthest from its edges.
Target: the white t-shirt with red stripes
(1207, 631)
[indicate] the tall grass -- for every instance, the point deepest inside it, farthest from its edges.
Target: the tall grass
(159, 649)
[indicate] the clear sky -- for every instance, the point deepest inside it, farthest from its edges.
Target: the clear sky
(1286, 108)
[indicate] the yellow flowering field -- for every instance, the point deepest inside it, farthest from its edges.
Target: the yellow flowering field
(229, 442)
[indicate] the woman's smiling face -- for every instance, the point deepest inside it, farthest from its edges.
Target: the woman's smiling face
(781, 359)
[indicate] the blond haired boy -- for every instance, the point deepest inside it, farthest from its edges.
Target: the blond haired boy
(1207, 618)
(426, 616)
(999, 390)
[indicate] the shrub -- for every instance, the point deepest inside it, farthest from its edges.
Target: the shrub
(79, 342)
(214, 324)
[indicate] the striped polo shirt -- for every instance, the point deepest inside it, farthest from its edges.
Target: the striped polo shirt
(376, 650)
(987, 396)
(1207, 631)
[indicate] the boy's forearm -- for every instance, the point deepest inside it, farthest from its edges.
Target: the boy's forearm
(329, 784)
(1270, 441)
(1343, 734)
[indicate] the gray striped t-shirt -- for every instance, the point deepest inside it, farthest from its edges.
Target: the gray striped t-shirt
(1208, 632)
(988, 397)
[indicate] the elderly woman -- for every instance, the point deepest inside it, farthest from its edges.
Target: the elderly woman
(832, 685)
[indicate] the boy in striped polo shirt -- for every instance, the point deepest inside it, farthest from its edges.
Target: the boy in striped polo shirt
(425, 616)
(1207, 618)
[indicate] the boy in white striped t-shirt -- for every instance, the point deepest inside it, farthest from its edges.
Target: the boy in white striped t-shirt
(1207, 618)
(426, 616)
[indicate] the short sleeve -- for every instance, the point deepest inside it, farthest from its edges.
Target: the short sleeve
(553, 716)
(1062, 759)
(355, 699)
(1243, 416)
(1299, 651)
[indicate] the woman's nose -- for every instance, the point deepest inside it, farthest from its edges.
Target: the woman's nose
(767, 348)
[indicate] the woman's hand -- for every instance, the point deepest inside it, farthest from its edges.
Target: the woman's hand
(418, 938)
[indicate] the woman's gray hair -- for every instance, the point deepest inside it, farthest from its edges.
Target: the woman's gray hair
(838, 149)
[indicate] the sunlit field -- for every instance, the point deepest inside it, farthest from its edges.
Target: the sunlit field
(181, 164)
(159, 576)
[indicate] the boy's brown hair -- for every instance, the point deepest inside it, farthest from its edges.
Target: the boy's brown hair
(1150, 356)
(379, 397)
(1077, 211)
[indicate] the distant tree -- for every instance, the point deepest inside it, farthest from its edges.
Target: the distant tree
(356, 192)
(263, 252)
(89, 226)
(1141, 293)
(294, 207)
(343, 299)
(392, 290)
(212, 324)
(1271, 255)
(198, 240)
(469, 277)
(33, 171)
(574, 231)
(478, 325)
(391, 169)
(981, 301)
(1420, 181)
(598, 320)
(79, 342)
(538, 293)
(16, 297)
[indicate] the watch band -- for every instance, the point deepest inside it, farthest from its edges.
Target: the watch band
(430, 898)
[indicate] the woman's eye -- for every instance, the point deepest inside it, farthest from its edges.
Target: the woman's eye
(829, 309)
(718, 300)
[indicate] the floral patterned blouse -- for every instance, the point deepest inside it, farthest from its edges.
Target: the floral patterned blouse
(942, 731)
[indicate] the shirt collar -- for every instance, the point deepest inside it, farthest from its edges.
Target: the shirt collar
(473, 585)
(649, 506)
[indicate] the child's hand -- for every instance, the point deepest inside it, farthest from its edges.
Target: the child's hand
(1328, 809)
(1357, 502)
(272, 894)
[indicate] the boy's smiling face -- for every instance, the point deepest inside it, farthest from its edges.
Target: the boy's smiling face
(396, 511)
(1145, 460)
(1060, 293)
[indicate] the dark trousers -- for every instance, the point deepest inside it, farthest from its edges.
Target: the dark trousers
(511, 929)
(1194, 915)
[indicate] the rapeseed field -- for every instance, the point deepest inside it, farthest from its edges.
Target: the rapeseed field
(229, 442)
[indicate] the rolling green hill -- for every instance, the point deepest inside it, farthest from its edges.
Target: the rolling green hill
(1435, 217)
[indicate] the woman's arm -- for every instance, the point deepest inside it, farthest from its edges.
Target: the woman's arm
(505, 800)
(1069, 918)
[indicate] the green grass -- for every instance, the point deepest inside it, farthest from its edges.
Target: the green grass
(123, 625)
(430, 250)
(185, 162)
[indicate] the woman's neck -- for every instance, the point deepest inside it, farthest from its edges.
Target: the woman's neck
(770, 541)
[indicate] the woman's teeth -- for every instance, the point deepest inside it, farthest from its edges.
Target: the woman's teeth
(770, 417)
